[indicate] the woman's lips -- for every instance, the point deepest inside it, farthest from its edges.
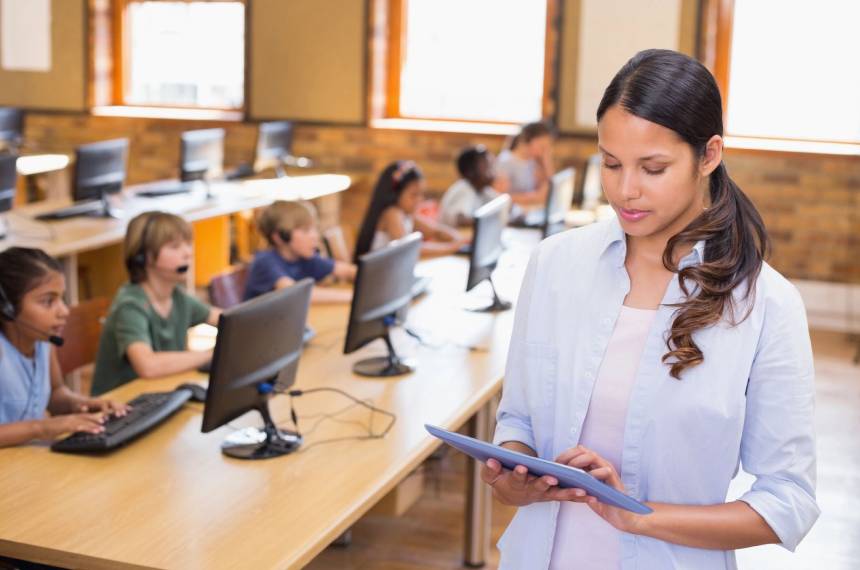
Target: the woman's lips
(632, 215)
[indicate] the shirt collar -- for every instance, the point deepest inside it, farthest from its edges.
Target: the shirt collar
(615, 245)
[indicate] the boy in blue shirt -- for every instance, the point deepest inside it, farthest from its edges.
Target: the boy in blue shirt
(291, 230)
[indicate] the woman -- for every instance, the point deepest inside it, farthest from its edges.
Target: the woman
(681, 355)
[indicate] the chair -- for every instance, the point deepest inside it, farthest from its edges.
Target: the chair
(227, 289)
(82, 332)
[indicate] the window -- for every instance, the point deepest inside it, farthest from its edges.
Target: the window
(793, 70)
(474, 60)
(182, 54)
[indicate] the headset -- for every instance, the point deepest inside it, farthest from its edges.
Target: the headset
(7, 313)
(139, 257)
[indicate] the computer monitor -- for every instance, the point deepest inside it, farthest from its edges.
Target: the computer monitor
(11, 128)
(592, 190)
(559, 200)
(8, 185)
(100, 170)
(489, 221)
(201, 155)
(383, 289)
(256, 356)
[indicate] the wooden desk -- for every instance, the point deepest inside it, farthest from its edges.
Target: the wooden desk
(68, 239)
(172, 500)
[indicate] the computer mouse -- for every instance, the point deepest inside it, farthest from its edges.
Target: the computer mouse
(198, 392)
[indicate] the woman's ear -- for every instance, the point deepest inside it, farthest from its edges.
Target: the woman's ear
(713, 156)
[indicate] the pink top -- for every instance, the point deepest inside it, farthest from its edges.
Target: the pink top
(583, 540)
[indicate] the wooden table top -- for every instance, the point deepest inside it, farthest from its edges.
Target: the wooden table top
(172, 500)
(75, 235)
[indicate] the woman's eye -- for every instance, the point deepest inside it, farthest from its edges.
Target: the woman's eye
(655, 172)
(612, 166)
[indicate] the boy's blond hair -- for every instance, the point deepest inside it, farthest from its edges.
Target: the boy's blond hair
(146, 234)
(284, 215)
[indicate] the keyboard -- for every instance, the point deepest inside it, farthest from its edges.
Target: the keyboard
(420, 286)
(148, 410)
(168, 189)
(78, 209)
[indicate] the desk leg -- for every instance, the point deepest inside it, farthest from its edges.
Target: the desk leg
(478, 495)
(70, 272)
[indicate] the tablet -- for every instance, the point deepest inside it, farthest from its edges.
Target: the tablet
(567, 477)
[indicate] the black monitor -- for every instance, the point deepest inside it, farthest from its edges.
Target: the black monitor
(201, 155)
(383, 288)
(8, 185)
(559, 200)
(256, 356)
(100, 170)
(489, 221)
(275, 148)
(11, 127)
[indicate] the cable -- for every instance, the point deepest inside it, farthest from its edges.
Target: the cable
(356, 402)
(411, 332)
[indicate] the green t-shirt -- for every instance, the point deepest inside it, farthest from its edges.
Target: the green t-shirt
(132, 319)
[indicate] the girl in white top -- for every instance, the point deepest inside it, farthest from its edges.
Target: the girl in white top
(658, 351)
(393, 214)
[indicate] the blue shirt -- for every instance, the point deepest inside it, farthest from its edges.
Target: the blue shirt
(750, 402)
(25, 383)
(268, 266)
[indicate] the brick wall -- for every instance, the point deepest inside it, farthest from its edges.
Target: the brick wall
(810, 203)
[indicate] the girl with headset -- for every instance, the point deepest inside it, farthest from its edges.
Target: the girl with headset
(32, 316)
(145, 332)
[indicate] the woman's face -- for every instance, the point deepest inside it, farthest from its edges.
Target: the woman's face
(411, 196)
(43, 307)
(650, 175)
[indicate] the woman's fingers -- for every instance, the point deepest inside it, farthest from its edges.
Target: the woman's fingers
(569, 454)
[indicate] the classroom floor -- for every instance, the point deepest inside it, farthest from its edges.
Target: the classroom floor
(430, 534)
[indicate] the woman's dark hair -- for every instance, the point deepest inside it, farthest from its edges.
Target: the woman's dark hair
(23, 269)
(679, 93)
(528, 133)
(396, 176)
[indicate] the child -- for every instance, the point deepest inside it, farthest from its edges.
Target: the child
(392, 214)
(527, 165)
(291, 230)
(145, 332)
(32, 316)
(474, 189)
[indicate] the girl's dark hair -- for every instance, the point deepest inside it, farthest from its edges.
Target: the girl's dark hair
(528, 133)
(679, 93)
(396, 176)
(23, 269)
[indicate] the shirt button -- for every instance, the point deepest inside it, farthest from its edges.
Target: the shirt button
(573, 431)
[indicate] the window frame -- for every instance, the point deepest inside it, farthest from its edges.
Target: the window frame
(717, 27)
(395, 13)
(122, 56)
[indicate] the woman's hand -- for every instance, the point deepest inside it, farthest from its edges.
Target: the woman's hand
(55, 426)
(108, 407)
(517, 488)
(602, 470)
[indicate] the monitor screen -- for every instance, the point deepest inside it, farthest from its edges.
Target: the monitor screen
(100, 168)
(489, 222)
(201, 154)
(8, 181)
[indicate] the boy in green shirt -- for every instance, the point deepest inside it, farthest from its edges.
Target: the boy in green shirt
(145, 332)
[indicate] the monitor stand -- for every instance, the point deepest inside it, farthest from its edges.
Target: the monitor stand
(261, 443)
(108, 211)
(384, 366)
(497, 305)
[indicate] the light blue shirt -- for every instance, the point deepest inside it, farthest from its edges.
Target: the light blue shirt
(25, 383)
(751, 401)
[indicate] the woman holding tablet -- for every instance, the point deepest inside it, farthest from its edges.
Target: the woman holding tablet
(657, 351)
